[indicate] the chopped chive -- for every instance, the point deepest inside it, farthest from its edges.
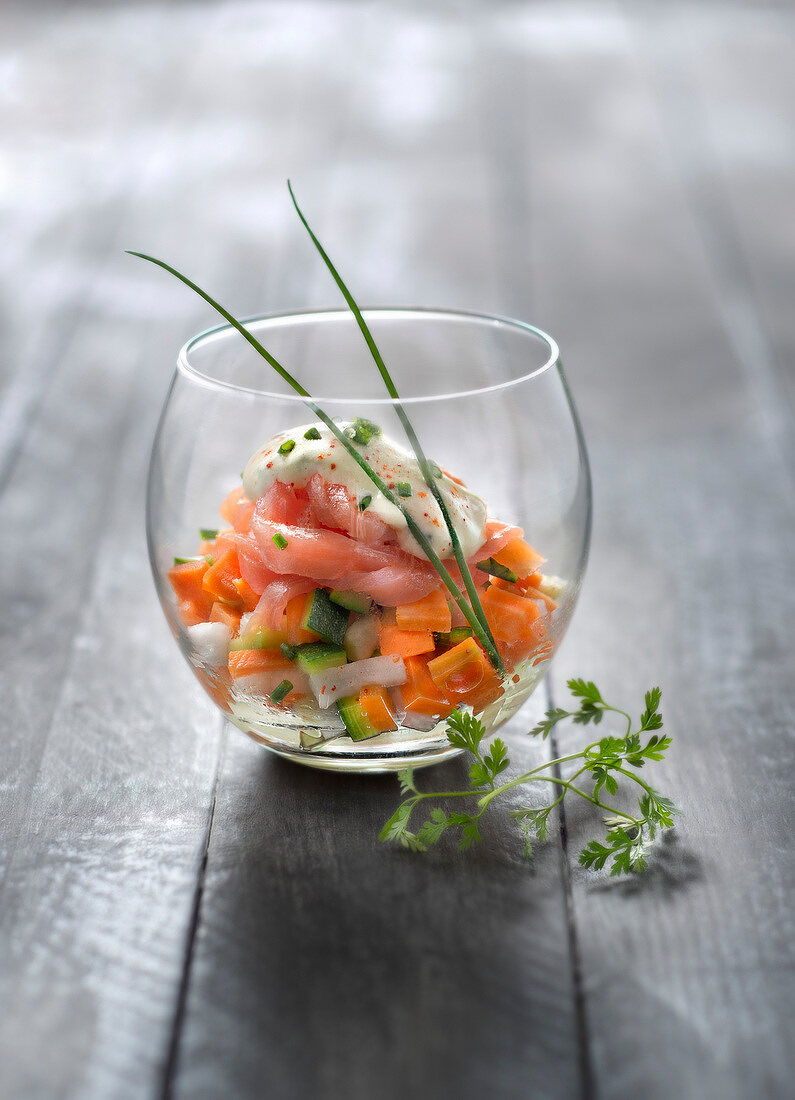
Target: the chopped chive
(287, 446)
(184, 561)
(495, 569)
(288, 651)
(365, 502)
(279, 692)
(210, 559)
(280, 540)
(208, 533)
(313, 433)
(242, 475)
(363, 430)
(403, 489)
(435, 468)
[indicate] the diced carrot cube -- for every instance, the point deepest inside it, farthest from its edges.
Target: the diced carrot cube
(520, 557)
(524, 588)
(247, 594)
(220, 580)
(246, 662)
(222, 613)
(432, 612)
(404, 643)
(533, 593)
(509, 616)
(461, 669)
(193, 611)
(186, 578)
(487, 692)
(420, 694)
(376, 706)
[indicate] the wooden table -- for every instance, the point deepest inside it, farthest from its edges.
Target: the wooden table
(184, 915)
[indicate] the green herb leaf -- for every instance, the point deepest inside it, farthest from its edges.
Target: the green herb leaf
(208, 533)
(403, 489)
(362, 431)
(312, 433)
(365, 502)
(548, 723)
(280, 540)
(287, 446)
(626, 844)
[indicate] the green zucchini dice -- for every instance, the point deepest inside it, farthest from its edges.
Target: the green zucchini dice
(318, 656)
(259, 639)
(454, 636)
(326, 618)
(356, 723)
(352, 601)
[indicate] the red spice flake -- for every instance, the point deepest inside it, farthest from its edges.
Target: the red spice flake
(436, 523)
(334, 465)
(515, 679)
(323, 690)
(268, 465)
(423, 495)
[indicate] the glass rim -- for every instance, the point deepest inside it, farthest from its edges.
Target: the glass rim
(185, 367)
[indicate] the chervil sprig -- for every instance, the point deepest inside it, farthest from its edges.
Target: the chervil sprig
(593, 770)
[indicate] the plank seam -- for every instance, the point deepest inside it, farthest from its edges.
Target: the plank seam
(587, 1079)
(180, 1011)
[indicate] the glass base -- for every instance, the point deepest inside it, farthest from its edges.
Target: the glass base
(300, 736)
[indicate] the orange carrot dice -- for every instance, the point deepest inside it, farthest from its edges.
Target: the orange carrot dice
(246, 662)
(509, 616)
(461, 669)
(193, 611)
(420, 694)
(489, 691)
(222, 613)
(186, 578)
(404, 643)
(376, 706)
(432, 612)
(220, 580)
(520, 557)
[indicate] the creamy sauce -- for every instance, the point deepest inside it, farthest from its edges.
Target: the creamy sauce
(328, 457)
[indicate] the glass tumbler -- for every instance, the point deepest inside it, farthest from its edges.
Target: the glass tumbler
(490, 405)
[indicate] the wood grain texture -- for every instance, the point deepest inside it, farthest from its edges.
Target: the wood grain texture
(182, 915)
(690, 969)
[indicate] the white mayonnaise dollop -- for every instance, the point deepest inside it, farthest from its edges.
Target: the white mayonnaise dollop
(328, 457)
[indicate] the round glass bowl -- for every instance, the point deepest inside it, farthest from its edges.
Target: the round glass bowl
(489, 403)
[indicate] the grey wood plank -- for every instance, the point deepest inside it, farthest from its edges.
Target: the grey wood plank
(109, 752)
(687, 974)
(325, 964)
(726, 95)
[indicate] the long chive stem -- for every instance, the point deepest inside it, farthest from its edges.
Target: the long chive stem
(430, 553)
(427, 474)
